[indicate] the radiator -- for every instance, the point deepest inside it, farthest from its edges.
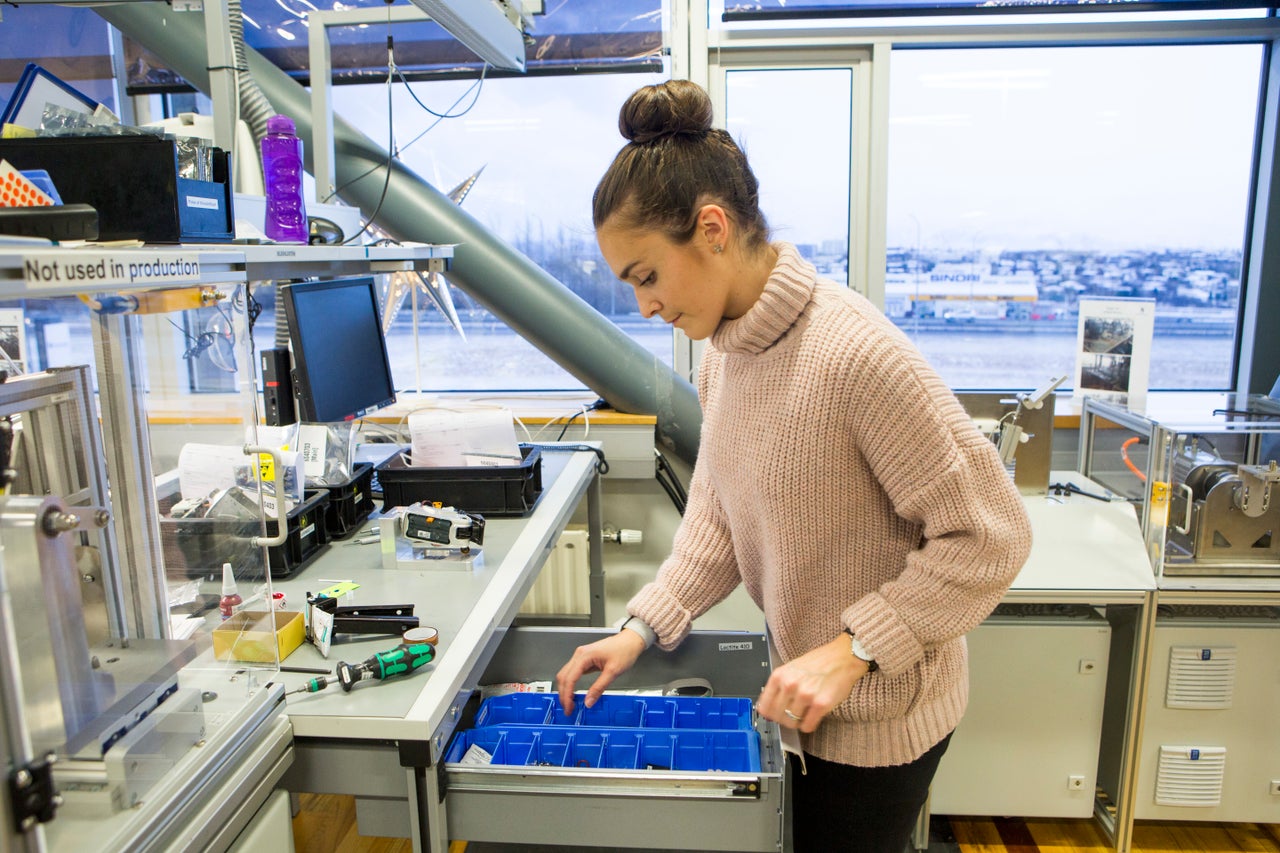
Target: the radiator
(562, 586)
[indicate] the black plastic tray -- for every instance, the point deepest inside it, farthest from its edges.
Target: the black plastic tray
(508, 490)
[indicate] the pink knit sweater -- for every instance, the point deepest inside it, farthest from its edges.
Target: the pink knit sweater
(841, 482)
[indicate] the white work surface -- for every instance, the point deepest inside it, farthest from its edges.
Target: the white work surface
(466, 607)
(1082, 549)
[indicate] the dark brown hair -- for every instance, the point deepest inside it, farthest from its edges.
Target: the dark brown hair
(674, 163)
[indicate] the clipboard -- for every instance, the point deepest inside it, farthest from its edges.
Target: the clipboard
(37, 87)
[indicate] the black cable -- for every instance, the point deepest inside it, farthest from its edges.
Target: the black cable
(1073, 489)
(429, 128)
(670, 489)
(664, 467)
(598, 404)
(602, 464)
(391, 156)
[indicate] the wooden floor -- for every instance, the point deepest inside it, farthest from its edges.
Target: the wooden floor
(327, 824)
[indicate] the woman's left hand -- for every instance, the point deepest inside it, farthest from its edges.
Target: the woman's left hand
(803, 691)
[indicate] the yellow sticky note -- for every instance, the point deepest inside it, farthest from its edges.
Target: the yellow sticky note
(339, 589)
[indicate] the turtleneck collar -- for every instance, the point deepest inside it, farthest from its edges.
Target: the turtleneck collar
(786, 293)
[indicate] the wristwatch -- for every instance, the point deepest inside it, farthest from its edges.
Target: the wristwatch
(859, 652)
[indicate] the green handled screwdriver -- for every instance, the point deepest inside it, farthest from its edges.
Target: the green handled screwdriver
(402, 660)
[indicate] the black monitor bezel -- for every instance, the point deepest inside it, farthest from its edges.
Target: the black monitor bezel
(304, 369)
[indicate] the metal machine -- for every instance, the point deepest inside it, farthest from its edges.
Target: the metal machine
(117, 732)
(1021, 428)
(1208, 482)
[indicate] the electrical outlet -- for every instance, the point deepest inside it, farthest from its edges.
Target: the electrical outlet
(1075, 783)
(1275, 787)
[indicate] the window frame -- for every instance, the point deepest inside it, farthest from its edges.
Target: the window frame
(1256, 360)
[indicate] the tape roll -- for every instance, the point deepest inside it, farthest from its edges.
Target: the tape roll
(422, 634)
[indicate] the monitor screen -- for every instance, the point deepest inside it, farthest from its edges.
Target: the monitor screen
(340, 365)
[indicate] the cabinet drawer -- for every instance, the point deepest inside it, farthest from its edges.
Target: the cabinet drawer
(647, 771)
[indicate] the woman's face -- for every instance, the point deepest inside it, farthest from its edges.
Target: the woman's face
(685, 284)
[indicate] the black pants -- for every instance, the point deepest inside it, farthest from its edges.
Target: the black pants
(839, 808)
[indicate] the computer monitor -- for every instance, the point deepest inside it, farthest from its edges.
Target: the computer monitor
(340, 365)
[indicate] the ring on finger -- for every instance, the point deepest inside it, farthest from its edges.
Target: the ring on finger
(792, 715)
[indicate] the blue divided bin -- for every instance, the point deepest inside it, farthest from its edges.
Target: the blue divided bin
(684, 733)
(656, 749)
(614, 711)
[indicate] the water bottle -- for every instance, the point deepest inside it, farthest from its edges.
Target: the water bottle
(286, 220)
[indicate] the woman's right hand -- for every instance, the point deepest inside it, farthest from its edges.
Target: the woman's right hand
(611, 657)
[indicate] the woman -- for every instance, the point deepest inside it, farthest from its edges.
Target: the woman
(838, 479)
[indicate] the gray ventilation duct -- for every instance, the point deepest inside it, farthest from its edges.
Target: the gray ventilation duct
(516, 290)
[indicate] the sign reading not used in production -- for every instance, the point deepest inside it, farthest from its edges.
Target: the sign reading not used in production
(99, 268)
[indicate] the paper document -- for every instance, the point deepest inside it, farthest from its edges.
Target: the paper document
(449, 439)
(206, 468)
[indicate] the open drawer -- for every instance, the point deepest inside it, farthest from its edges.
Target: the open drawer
(642, 770)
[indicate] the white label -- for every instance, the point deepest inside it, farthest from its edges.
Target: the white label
(737, 647)
(202, 202)
(115, 268)
(476, 755)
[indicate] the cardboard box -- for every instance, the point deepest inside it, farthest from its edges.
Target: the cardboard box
(247, 636)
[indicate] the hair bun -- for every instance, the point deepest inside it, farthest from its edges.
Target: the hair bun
(673, 108)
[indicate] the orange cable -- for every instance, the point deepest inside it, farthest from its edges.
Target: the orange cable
(1124, 454)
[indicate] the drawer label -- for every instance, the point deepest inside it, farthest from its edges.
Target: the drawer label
(737, 647)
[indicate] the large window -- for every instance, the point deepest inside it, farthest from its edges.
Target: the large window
(806, 198)
(542, 143)
(1022, 180)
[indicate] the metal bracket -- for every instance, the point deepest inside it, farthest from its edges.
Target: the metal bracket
(32, 794)
(1254, 498)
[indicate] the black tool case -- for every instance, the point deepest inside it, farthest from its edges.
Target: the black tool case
(134, 184)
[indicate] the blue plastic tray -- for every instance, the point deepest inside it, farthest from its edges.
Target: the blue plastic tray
(611, 711)
(654, 749)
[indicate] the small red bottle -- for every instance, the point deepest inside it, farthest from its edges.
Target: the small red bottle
(230, 597)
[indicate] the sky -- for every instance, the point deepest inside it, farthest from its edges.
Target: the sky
(1045, 148)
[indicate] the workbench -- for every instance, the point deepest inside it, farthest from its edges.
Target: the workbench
(383, 741)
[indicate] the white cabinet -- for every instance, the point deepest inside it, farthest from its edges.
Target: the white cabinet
(1028, 744)
(1210, 737)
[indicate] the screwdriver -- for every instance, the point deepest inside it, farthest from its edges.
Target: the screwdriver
(315, 685)
(401, 660)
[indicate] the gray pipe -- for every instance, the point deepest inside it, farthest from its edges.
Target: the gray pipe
(516, 290)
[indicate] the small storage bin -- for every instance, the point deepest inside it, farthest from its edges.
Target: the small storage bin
(350, 503)
(256, 637)
(508, 490)
(199, 546)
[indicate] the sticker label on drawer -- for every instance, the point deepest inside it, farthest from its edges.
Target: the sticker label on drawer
(737, 647)
(476, 755)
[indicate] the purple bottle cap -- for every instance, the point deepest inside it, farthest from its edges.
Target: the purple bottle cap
(280, 124)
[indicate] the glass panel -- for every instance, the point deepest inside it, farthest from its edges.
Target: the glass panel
(537, 146)
(142, 538)
(805, 198)
(1022, 180)
(71, 43)
(570, 36)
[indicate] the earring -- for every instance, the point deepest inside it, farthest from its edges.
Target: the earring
(717, 248)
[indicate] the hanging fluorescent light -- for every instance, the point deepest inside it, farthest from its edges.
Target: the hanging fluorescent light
(483, 27)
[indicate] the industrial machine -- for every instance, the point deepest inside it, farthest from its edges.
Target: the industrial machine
(1207, 481)
(120, 730)
(1021, 427)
